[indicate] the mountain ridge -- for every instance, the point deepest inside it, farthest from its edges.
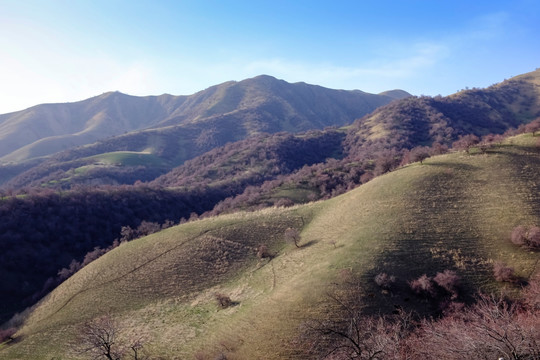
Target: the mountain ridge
(48, 128)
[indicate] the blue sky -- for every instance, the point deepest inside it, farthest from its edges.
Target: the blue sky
(69, 50)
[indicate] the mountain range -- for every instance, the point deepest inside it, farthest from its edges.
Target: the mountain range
(251, 145)
(249, 107)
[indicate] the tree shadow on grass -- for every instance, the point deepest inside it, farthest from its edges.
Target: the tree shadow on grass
(308, 244)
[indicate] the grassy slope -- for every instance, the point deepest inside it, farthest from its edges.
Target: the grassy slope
(128, 158)
(455, 211)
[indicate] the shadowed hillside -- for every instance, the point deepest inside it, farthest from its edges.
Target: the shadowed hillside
(454, 211)
(43, 233)
(423, 120)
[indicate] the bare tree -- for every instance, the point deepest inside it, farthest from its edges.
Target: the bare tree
(360, 336)
(490, 329)
(419, 153)
(102, 338)
(465, 142)
(533, 126)
(292, 236)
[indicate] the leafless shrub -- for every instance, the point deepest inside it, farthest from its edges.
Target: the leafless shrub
(503, 273)
(526, 237)
(167, 224)
(449, 281)
(367, 176)
(224, 301)
(534, 237)
(284, 202)
(423, 286)
(7, 334)
(292, 236)
(263, 252)
(519, 235)
(384, 280)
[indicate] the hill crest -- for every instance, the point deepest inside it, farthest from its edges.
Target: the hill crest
(48, 128)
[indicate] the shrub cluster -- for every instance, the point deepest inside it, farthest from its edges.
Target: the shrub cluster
(492, 327)
(7, 334)
(224, 301)
(446, 282)
(503, 273)
(528, 237)
(384, 280)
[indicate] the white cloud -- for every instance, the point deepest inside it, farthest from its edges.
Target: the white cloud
(375, 75)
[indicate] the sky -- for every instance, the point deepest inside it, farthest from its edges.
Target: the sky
(69, 50)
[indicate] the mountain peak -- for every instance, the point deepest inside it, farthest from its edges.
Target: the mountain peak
(396, 94)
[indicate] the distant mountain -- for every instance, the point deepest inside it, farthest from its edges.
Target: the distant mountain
(372, 145)
(45, 129)
(174, 129)
(401, 124)
(395, 94)
(260, 104)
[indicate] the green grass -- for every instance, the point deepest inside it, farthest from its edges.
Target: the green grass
(453, 212)
(128, 158)
(298, 194)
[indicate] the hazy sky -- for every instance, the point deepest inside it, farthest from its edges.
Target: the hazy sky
(59, 51)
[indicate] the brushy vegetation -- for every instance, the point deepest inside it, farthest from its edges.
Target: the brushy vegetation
(492, 327)
(445, 225)
(44, 232)
(442, 218)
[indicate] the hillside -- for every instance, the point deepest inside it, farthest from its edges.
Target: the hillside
(260, 104)
(423, 120)
(264, 170)
(42, 233)
(255, 159)
(403, 124)
(379, 141)
(454, 211)
(46, 129)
